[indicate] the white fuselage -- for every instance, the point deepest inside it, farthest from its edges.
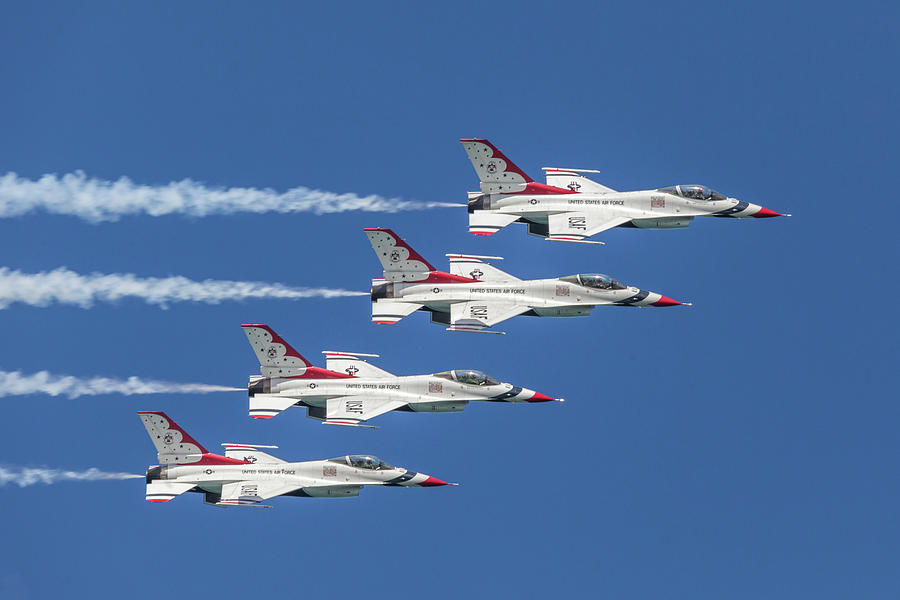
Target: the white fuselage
(423, 393)
(545, 296)
(318, 478)
(642, 207)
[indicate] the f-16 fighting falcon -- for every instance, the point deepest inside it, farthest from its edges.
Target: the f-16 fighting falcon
(350, 390)
(571, 208)
(246, 475)
(475, 295)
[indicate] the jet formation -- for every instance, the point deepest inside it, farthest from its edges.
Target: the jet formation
(571, 208)
(350, 390)
(472, 296)
(475, 295)
(246, 475)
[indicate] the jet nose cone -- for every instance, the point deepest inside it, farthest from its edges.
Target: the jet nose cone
(539, 397)
(765, 213)
(434, 482)
(666, 301)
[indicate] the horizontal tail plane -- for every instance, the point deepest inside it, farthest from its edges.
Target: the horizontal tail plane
(388, 312)
(266, 406)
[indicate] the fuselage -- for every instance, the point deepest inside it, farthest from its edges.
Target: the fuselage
(323, 478)
(421, 392)
(644, 208)
(544, 296)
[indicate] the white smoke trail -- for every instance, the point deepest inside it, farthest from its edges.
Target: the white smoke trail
(15, 383)
(98, 200)
(68, 287)
(24, 477)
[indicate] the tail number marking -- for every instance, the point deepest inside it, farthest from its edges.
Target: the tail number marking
(354, 406)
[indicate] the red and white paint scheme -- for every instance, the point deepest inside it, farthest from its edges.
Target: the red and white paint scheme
(351, 390)
(571, 208)
(246, 475)
(475, 295)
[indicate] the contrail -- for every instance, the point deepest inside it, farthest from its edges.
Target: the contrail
(24, 477)
(15, 383)
(68, 287)
(98, 200)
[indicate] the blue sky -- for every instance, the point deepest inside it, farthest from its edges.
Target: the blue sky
(745, 447)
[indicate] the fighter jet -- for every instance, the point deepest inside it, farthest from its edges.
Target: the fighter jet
(571, 208)
(246, 475)
(475, 295)
(350, 390)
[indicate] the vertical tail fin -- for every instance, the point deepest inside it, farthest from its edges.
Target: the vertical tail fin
(173, 444)
(497, 174)
(400, 262)
(276, 357)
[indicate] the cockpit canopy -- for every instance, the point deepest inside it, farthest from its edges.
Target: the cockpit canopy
(468, 376)
(363, 461)
(694, 192)
(598, 281)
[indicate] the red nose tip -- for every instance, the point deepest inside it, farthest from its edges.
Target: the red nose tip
(539, 397)
(433, 482)
(666, 301)
(765, 213)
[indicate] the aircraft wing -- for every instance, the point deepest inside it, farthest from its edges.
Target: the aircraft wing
(575, 226)
(474, 267)
(350, 410)
(476, 315)
(574, 180)
(251, 492)
(353, 363)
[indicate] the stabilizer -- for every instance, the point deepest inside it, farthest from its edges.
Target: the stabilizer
(175, 446)
(496, 173)
(276, 357)
(266, 406)
(485, 222)
(399, 260)
(388, 312)
(163, 491)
